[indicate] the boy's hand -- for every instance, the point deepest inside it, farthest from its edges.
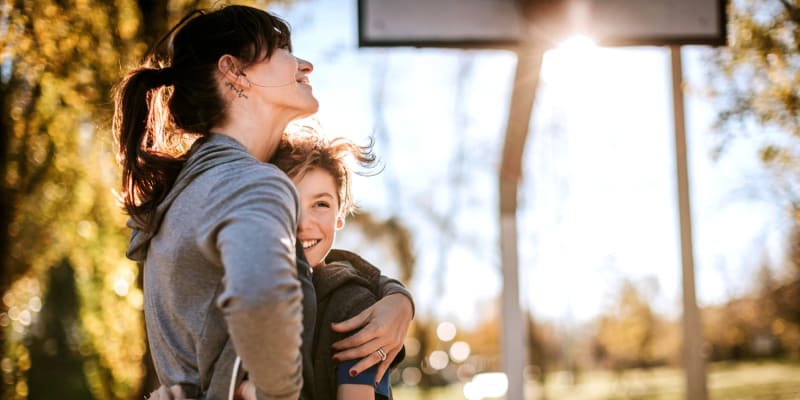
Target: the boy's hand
(385, 325)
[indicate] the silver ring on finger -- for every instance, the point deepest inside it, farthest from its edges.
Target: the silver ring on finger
(381, 353)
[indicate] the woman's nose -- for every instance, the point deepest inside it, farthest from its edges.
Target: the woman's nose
(304, 65)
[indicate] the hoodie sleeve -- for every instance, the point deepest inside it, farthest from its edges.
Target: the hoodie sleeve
(251, 226)
(386, 285)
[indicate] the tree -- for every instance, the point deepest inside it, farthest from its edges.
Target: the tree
(56, 341)
(61, 62)
(388, 237)
(757, 79)
(627, 333)
(757, 88)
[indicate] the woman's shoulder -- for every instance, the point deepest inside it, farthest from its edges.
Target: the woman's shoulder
(241, 182)
(252, 172)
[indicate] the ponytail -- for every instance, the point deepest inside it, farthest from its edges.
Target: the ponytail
(140, 128)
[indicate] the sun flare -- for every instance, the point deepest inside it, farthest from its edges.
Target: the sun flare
(570, 60)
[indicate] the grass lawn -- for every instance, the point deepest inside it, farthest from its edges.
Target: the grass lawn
(726, 381)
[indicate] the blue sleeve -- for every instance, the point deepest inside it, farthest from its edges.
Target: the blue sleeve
(365, 378)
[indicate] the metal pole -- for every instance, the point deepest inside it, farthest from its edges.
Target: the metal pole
(513, 344)
(693, 360)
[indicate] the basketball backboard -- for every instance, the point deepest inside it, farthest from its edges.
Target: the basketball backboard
(503, 23)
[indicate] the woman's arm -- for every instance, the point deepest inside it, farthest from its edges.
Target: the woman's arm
(393, 286)
(249, 225)
(385, 325)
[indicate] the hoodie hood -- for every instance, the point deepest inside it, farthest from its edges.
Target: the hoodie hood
(206, 153)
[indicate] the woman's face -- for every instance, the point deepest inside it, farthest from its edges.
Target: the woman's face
(319, 214)
(282, 83)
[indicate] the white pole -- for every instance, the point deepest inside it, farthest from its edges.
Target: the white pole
(513, 338)
(693, 360)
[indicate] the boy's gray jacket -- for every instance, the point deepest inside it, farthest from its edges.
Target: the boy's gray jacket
(225, 209)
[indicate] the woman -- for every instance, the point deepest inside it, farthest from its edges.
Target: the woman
(215, 226)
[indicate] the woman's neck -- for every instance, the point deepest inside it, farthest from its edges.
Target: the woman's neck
(259, 136)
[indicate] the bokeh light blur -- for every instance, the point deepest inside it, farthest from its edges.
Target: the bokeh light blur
(459, 351)
(438, 360)
(411, 376)
(446, 331)
(412, 346)
(486, 385)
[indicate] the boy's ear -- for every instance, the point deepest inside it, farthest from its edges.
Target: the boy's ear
(339, 222)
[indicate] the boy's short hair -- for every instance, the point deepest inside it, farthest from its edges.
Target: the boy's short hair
(299, 152)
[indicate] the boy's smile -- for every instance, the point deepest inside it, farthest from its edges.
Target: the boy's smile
(307, 244)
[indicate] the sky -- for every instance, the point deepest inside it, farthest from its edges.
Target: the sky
(598, 198)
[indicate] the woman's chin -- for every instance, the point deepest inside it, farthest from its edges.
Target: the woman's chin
(313, 104)
(306, 113)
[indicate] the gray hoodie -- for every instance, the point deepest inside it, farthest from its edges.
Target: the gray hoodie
(220, 276)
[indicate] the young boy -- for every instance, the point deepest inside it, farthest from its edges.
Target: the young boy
(345, 283)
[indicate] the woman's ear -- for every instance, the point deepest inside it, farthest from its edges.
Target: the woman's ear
(228, 67)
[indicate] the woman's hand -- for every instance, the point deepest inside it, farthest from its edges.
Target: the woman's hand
(385, 325)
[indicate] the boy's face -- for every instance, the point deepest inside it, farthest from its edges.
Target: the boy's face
(319, 214)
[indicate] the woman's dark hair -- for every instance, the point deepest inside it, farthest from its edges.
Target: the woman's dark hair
(174, 94)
